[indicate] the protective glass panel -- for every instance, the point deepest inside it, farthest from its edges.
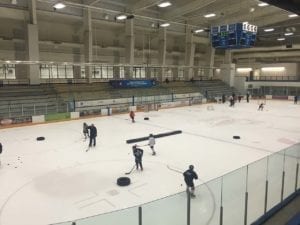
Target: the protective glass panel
(205, 208)
(275, 169)
(170, 210)
(234, 188)
(290, 167)
(257, 175)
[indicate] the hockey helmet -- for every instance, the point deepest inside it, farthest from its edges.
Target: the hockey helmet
(191, 167)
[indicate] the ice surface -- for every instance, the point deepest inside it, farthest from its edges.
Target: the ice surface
(57, 180)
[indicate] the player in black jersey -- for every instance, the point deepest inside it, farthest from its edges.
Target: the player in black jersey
(138, 155)
(189, 177)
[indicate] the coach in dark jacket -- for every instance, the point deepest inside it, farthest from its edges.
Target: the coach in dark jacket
(93, 135)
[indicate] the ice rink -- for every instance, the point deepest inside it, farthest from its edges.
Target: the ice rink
(56, 180)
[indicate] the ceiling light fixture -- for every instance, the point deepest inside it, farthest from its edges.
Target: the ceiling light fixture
(293, 15)
(164, 25)
(280, 39)
(273, 69)
(263, 4)
(288, 34)
(164, 4)
(269, 30)
(59, 5)
(121, 17)
(244, 70)
(198, 31)
(209, 15)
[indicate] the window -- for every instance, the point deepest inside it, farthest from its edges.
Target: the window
(45, 71)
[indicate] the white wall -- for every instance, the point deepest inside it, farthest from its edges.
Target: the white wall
(290, 69)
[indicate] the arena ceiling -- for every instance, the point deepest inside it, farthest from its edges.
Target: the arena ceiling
(182, 13)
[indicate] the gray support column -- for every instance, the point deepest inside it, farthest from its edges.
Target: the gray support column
(175, 71)
(76, 58)
(32, 11)
(189, 54)
(33, 71)
(21, 54)
(210, 56)
(162, 50)
(228, 69)
(228, 57)
(298, 71)
(116, 55)
(129, 47)
(88, 43)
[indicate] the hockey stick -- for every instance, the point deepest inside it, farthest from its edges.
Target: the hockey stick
(175, 170)
(130, 170)
(88, 149)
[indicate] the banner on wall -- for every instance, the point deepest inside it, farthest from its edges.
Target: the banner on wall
(133, 83)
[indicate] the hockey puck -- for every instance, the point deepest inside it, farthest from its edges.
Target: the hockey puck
(123, 181)
(146, 118)
(236, 137)
(40, 138)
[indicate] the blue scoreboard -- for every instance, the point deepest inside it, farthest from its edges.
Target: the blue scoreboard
(238, 35)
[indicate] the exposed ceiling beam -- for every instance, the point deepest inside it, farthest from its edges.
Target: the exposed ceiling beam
(143, 4)
(238, 14)
(14, 14)
(187, 8)
(215, 7)
(270, 19)
(94, 2)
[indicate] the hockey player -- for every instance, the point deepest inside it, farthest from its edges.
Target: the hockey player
(93, 135)
(189, 177)
(231, 101)
(261, 107)
(223, 98)
(138, 155)
(0, 152)
(85, 131)
(247, 97)
(295, 99)
(151, 143)
(132, 115)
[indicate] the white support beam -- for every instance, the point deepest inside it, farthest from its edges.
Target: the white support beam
(129, 47)
(238, 14)
(88, 41)
(32, 11)
(143, 4)
(187, 8)
(14, 14)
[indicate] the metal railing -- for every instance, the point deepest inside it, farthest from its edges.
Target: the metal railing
(275, 78)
